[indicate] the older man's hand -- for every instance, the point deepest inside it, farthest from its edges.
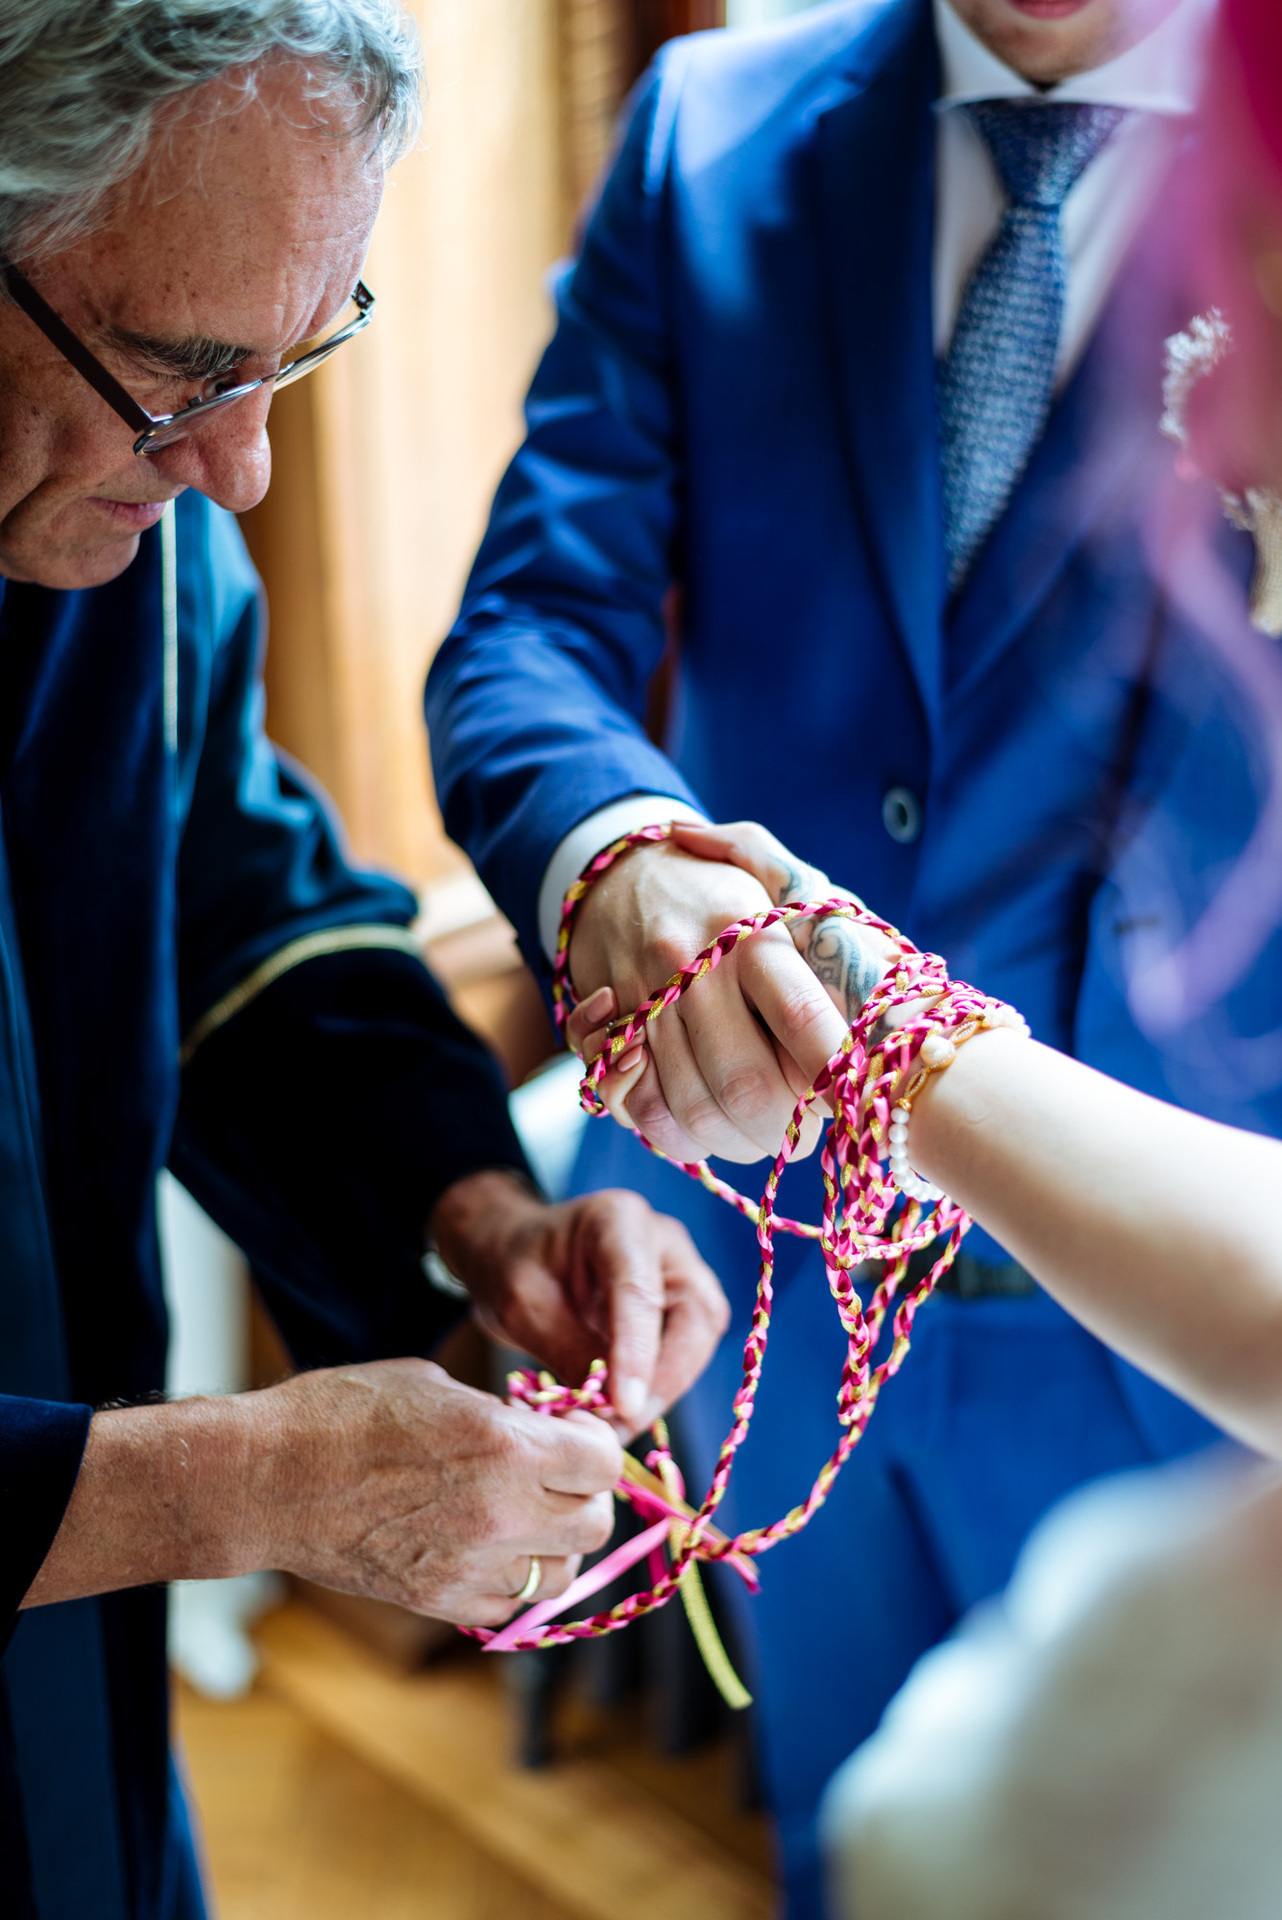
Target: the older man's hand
(599, 1276)
(390, 1480)
(401, 1483)
(722, 1069)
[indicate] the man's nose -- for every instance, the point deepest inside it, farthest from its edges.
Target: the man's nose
(228, 458)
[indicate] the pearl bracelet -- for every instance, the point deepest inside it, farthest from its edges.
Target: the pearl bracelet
(935, 1055)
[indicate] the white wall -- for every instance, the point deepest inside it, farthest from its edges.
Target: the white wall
(207, 1287)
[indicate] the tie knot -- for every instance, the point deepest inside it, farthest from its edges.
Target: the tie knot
(1040, 148)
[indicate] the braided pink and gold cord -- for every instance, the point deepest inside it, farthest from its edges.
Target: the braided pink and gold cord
(859, 1226)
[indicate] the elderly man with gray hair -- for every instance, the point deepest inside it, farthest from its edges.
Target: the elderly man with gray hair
(192, 973)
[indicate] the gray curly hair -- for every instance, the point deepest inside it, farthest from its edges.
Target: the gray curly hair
(82, 83)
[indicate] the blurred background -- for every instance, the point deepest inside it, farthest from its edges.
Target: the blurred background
(346, 1758)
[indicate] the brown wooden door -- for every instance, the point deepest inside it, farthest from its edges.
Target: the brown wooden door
(605, 46)
(655, 21)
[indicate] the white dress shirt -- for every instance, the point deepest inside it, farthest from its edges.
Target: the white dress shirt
(1158, 82)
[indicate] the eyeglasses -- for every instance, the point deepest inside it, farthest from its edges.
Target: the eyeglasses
(157, 430)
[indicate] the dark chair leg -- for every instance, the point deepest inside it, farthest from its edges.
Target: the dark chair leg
(534, 1682)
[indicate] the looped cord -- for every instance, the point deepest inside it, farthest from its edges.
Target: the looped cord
(862, 1224)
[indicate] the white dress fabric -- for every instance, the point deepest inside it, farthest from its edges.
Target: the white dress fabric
(1102, 1743)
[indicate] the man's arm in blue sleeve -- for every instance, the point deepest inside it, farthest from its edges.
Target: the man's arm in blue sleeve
(329, 1094)
(536, 701)
(41, 1444)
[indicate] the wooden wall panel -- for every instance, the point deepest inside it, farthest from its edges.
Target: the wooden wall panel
(605, 46)
(598, 64)
(655, 21)
(386, 460)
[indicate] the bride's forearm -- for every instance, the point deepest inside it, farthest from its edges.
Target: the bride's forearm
(1151, 1225)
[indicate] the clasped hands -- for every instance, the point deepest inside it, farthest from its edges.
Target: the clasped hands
(721, 1071)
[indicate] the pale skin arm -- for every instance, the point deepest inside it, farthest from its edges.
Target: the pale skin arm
(392, 1479)
(1152, 1226)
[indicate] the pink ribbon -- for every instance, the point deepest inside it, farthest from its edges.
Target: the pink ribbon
(621, 1561)
(587, 1583)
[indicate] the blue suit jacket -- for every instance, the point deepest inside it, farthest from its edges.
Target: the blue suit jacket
(739, 402)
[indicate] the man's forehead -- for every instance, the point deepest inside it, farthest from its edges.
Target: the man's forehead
(224, 267)
(241, 235)
(209, 326)
(247, 152)
(262, 176)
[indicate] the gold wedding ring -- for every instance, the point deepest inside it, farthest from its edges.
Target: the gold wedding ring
(533, 1581)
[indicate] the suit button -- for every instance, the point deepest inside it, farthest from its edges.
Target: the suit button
(901, 815)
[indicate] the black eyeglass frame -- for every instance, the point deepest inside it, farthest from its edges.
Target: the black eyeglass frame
(157, 430)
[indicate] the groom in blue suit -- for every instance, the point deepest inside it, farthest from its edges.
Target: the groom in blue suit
(844, 508)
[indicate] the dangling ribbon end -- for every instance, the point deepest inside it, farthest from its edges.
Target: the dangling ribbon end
(708, 1640)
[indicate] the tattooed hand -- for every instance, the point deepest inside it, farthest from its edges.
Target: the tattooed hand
(847, 959)
(842, 958)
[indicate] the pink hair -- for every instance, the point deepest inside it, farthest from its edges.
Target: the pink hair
(1254, 30)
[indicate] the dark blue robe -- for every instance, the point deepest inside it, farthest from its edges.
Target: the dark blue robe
(172, 891)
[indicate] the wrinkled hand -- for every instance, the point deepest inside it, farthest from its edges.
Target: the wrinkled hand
(396, 1481)
(390, 1480)
(721, 1070)
(601, 1275)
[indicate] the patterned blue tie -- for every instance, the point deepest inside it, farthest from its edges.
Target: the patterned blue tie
(997, 380)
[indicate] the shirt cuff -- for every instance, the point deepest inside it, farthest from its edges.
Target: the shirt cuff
(584, 842)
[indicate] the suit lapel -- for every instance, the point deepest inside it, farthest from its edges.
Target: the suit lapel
(1101, 449)
(875, 165)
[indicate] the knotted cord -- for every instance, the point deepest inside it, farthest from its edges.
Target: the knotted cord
(860, 1226)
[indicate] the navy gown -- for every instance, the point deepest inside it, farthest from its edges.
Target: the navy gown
(192, 973)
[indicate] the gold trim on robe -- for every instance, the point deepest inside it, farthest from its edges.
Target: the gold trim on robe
(310, 947)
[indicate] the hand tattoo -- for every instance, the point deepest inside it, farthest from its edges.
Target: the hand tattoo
(840, 960)
(799, 882)
(832, 948)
